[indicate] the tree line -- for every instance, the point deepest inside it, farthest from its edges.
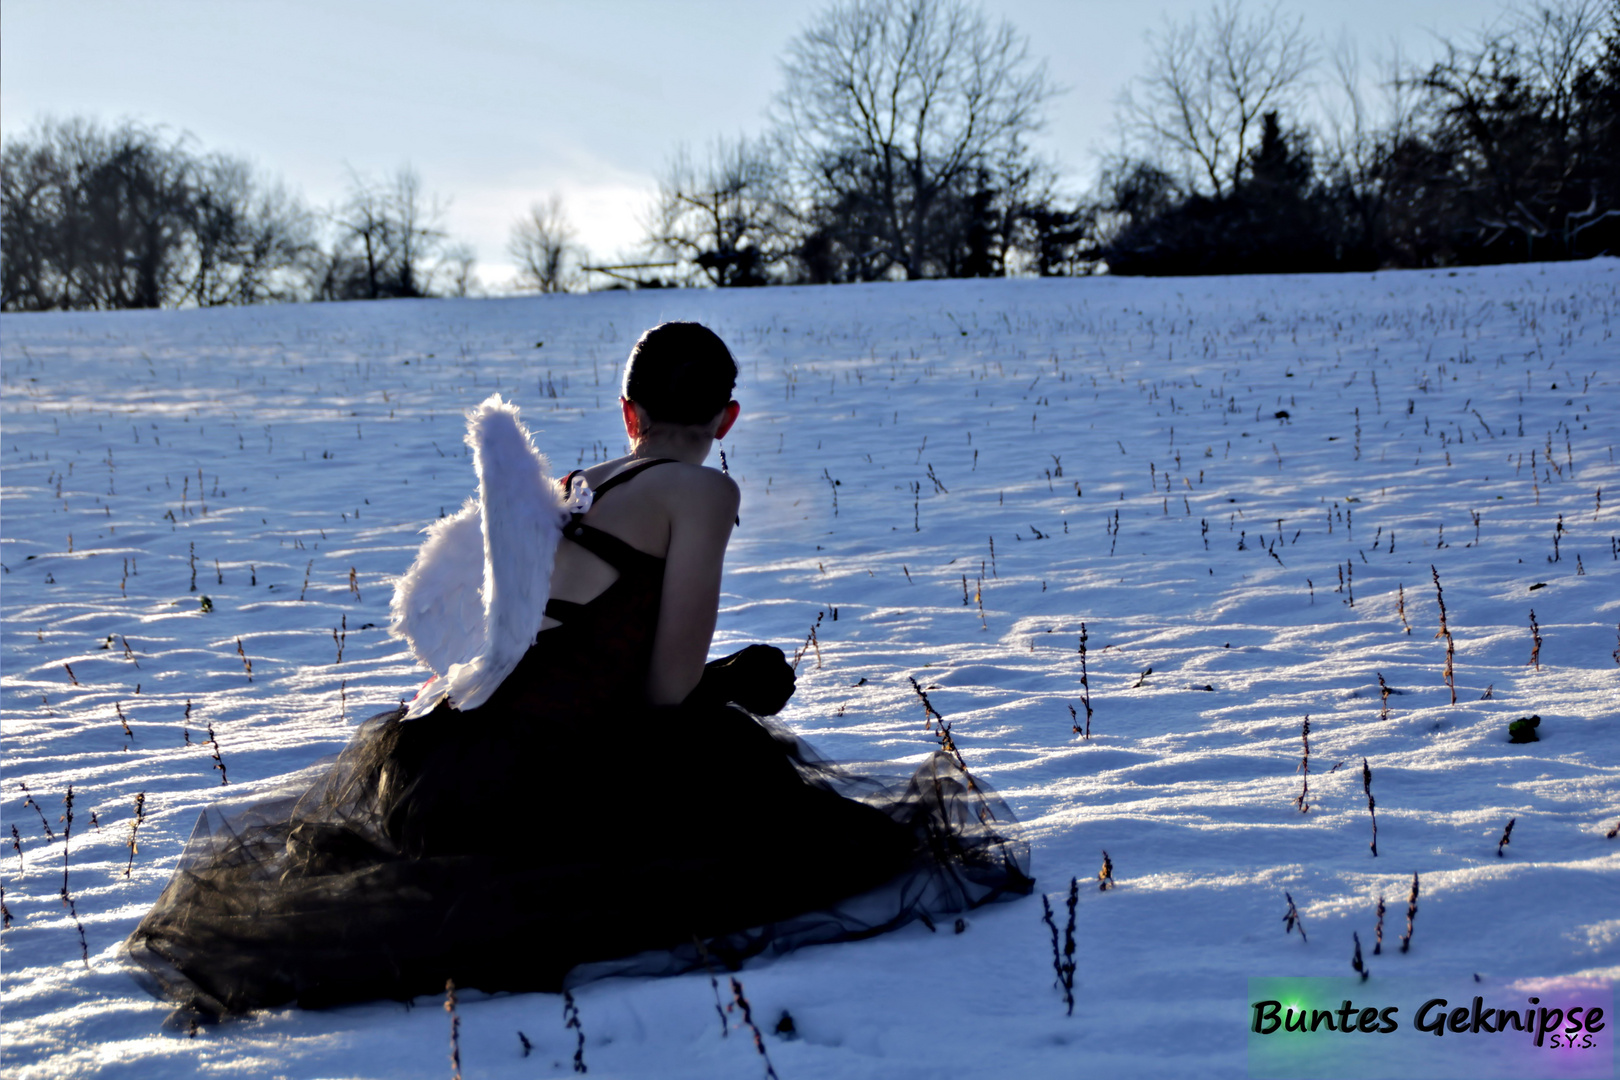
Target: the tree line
(97, 217)
(900, 146)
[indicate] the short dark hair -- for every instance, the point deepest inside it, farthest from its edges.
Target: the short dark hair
(681, 373)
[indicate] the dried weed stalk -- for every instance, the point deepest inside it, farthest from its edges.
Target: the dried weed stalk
(134, 827)
(67, 897)
(1302, 803)
(571, 1022)
(738, 1001)
(1445, 632)
(1372, 806)
(1068, 947)
(1085, 681)
(219, 762)
(455, 1028)
(1291, 919)
(1411, 913)
(28, 800)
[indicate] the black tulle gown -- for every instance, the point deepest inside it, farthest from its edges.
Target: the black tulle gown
(566, 830)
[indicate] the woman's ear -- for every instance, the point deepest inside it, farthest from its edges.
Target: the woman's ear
(633, 426)
(728, 416)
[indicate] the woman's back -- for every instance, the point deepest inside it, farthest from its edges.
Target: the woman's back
(676, 511)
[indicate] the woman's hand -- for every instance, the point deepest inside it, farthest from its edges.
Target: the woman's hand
(758, 678)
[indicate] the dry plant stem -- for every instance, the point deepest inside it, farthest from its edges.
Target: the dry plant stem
(1445, 632)
(1355, 961)
(1291, 919)
(809, 640)
(1411, 913)
(571, 1021)
(1105, 876)
(1507, 835)
(741, 1002)
(67, 897)
(5, 912)
(16, 845)
(455, 1028)
(134, 826)
(1057, 955)
(1535, 638)
(1068, 947)
(1372, 807)
(67, 835)
(1085, 682)
(930, 714)
(714, 984)
(1383, 697)
(124, 723)
(1400, 602)
(28, 800)
(1302, 803)
(1378, 945)
(246, 663)
(219, 763)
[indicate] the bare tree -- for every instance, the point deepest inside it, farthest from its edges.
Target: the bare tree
(1505, 110)
(1212, 80)
(542, 242)
(1558, 39)
(122, 217)
(252, 240)
(889, 106)
(389, 240)
(460, 277)
(722, 219)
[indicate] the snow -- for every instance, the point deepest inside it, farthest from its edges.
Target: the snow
(297, 444)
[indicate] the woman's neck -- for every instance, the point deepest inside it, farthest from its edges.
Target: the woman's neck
(692, 451)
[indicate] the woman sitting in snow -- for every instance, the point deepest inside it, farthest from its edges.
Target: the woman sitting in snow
(575, 793)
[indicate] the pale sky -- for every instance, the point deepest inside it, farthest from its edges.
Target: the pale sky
(499, 102)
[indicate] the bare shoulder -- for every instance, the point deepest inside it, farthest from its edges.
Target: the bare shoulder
(689, 489)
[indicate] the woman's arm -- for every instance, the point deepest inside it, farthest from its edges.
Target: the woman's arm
(703, 505)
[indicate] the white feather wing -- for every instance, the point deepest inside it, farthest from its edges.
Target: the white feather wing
(438, 606)
(522, 517)
(475, 597)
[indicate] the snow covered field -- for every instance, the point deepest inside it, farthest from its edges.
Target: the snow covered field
(203, 509)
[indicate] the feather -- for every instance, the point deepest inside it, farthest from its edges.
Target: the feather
(438, 606)
(518, 518)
